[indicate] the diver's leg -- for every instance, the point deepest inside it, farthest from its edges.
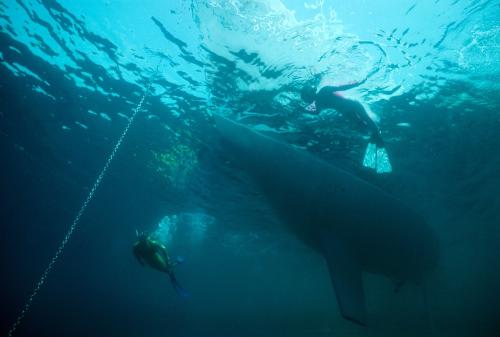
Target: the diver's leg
(177, 287)
(376, 156)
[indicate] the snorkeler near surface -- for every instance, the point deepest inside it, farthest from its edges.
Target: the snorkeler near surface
(153, 253)
(328, 97)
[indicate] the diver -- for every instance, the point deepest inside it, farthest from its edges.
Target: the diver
(153, 253)
(329, 97)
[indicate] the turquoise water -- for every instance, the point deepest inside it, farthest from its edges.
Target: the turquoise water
(71, 75)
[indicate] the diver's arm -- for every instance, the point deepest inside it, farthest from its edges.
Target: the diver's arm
(345, 86)
(138, 257)
(348, 85)
(163, 251)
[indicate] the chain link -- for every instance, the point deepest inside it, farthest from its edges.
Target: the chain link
(73, 226)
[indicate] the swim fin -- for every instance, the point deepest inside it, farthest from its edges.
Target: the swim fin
(376, 156)
(370, 158)
(177, 287)
(383, 162)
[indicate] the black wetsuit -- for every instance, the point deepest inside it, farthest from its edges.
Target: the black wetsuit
(154, 254)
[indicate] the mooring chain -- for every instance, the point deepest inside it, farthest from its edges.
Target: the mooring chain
(90, 196)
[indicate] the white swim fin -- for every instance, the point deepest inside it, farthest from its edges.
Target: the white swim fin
(377, 159)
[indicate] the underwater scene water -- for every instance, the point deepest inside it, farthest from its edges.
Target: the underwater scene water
(179, 135)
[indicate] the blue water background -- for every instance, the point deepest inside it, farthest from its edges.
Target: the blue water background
(71, 73)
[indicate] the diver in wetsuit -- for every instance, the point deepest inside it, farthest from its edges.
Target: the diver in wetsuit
(153, 253)
(329, 97)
